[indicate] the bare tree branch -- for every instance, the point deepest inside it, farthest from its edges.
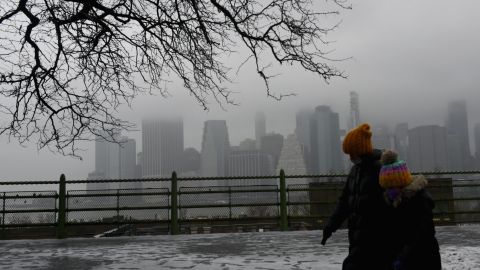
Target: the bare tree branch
(67, 65)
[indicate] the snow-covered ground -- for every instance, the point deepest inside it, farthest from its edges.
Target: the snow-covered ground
(460, 249)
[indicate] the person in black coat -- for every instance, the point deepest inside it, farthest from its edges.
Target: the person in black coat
(363, 204)
(412, 234)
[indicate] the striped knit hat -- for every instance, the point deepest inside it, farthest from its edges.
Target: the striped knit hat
(394, 173)
(358, 141)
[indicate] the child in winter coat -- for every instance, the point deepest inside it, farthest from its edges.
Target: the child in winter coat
(413, 232)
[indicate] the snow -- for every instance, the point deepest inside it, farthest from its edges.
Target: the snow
(460, 249)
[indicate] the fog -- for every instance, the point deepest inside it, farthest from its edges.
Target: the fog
(409, 58)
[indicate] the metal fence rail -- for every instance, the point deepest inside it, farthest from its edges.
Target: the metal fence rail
(187, 204)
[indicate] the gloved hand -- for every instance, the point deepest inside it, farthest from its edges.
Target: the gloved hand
(327, 232)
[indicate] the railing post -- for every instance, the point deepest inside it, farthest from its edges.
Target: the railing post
(3, 215)
(56, 209)
(230, 203)
(174, 206)
(118, 208)
(61, 207)
(283, 202)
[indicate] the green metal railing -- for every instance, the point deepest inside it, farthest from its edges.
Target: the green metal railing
(283, 202)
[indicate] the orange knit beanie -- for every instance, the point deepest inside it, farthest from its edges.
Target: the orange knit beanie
(358, 141)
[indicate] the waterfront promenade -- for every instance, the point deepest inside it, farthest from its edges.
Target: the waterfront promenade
(460, 249)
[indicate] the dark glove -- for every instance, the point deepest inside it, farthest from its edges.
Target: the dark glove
(326, 234)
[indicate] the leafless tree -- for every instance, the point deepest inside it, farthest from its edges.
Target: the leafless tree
(67, 65)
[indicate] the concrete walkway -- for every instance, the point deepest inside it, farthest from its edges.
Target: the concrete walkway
(460, 248)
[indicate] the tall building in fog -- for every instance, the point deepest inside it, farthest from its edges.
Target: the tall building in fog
(326, 150)
(354, 119)
(128, 162)
(293, 159)
(457, 128)
(381, 138)
(191, 161)
(455, 155)
(249, 163)
(172, 144)
(101, 146)
(271, 144)
(162, 146)
(107, 157)
(128, 158)
(113, 161)
(427, 149)
(476, 132)
(215, 148)
(138, 168)
(400, 140)
(260, 127)
(151, 148)
(303, 132)
(248, 144)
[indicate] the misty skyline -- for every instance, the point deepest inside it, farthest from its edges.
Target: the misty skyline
(409, 59)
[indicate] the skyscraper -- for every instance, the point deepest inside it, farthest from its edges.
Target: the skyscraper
(260, 127)
(128, 158)
(455, 155)
(477, 145)
(303, 132)
(100, 156)
(162, 146)
(427, 149)
(271, 144)
(128, 162)
(138, 167)
(107, 157)
(113, 163)
(292, 159)
(303, 127)
(381, 137)
(215, 148)
(191, 161)
(457, 125)
(326, 147)
(401, 140)
(248, 144)
(114, 160)
(249, 163)
(151, 148)
(172, 145)
(354, 110)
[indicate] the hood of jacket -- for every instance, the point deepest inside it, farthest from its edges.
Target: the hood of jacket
(396, 196)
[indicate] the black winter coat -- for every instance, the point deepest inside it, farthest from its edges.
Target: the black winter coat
(413, 231)
(363, 204)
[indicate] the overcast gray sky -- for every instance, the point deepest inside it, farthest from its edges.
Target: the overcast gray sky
(409, 58)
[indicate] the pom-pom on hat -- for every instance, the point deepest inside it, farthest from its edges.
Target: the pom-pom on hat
(394, 173)
(358, 141)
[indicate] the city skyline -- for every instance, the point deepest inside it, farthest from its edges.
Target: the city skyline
(424, 147)
(398, 81)
(149, 121)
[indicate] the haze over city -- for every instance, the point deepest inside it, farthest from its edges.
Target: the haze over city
(240, 134)
(409, 59)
